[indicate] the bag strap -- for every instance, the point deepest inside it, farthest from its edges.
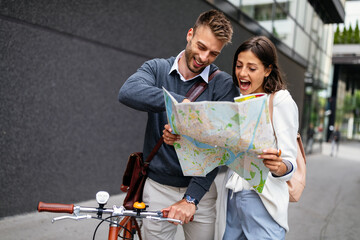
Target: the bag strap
(154, 151)
(194, 92)
(199, 87)
(301, 146)
(298, 137)
(271, 107)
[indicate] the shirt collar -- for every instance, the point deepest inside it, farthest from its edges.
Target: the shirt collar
(204, 74)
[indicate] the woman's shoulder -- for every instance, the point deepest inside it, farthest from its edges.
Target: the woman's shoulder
(283, 97)
(286, 113)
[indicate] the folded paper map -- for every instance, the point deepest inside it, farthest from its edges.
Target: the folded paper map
(222, 133)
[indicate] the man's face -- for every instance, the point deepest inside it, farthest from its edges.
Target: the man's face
(202, 48)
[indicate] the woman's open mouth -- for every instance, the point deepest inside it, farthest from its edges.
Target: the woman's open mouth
(244, 84)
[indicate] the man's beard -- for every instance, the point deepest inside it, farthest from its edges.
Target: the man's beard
(189, 57)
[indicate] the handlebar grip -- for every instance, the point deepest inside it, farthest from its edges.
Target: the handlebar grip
(55, 207)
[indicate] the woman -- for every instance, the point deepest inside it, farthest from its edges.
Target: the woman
(247, 213)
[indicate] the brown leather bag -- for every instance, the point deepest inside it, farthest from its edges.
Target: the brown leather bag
(297, 183)
(134, 179)
(136, 169)
(135, 176)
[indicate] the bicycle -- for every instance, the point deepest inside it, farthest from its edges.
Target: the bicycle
(122, 221)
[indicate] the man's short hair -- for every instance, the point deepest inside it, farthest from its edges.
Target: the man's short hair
(218, 23)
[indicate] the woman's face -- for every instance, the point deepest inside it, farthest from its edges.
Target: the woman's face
(250, 73)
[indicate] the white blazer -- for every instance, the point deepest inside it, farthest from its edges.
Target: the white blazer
(275, 195)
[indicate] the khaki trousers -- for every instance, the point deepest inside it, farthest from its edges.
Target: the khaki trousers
(159, 196)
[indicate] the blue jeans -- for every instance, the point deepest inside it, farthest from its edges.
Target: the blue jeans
(247, 218)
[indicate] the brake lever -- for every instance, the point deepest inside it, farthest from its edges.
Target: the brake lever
(165, 214)
(77, 218)
(165, 219)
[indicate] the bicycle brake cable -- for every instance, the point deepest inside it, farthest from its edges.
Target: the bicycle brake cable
(106, 220)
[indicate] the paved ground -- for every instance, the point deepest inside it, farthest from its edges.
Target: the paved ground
(329, 208)
(330, 205)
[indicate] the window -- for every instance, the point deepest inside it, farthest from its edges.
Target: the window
(261, 12)
(236, 3)
(292, 7)
(315, 28)
(308, 17)
(320, 34)
(302, 43)
(284, 28)
(301, 13)
(312, 58)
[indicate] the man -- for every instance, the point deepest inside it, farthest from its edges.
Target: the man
(166, 187)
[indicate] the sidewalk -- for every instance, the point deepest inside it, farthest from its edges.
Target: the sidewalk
(348, 150)
(328, 208)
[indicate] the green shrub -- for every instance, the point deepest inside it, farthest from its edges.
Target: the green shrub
(356, 33)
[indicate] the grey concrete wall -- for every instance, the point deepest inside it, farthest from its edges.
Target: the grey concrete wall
(63, 134)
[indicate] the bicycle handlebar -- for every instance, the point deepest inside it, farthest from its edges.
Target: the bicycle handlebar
(122, 221)
(115, 211)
